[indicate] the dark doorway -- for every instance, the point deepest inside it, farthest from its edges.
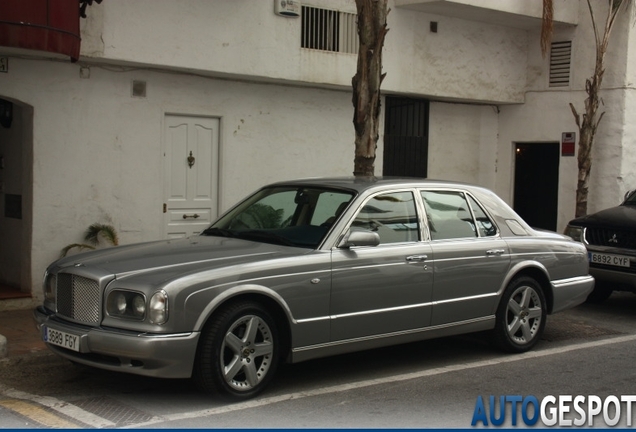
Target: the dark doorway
(536, 196)
(16, 200)
(405, 137)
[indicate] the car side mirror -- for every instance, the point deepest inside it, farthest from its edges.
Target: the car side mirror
(359, 237)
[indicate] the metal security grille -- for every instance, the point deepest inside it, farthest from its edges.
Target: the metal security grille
(78, 298)
(405, 137)
(348, 35)
(560, 58)
(328, 30)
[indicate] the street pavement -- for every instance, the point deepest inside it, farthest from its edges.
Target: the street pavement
(18, 334)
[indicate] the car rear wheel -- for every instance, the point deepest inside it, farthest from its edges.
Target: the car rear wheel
(521, 316)
(238, 351)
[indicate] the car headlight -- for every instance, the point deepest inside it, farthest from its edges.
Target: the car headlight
(158, 311)
(577, 233)
(126, 304)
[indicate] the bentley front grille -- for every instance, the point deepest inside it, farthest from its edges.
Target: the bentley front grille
(78, 298)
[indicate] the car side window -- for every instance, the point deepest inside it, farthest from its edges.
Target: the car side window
(448, 215)
(329, 207)
(274, 211)
(485, 226)
(392, 216)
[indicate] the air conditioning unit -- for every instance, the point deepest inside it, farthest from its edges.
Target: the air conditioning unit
(287, 8)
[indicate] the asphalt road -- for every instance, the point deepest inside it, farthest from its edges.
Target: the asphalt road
(587, 351)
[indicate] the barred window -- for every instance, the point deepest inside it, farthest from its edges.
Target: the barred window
(329, 30)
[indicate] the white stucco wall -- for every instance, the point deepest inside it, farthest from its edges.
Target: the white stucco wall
(98, 151)
(416, 61)
(628, 157)
(464, 60)
(286, 112)
(532, 123)
(546, 114)
(497, 10)
(463, 143)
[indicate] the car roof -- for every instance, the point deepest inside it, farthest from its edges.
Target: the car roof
(360, 184)
(500, 210)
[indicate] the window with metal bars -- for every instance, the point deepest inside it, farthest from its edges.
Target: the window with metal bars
(406, 137)
(328, 30)
(560, 58)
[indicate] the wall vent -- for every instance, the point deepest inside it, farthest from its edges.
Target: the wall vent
(139, 88)
(560, 59)
(329, 30)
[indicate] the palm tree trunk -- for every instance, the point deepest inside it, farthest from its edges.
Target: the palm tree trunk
(588, 122)
(366, 83)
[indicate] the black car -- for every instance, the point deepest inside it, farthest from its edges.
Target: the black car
(610, 238)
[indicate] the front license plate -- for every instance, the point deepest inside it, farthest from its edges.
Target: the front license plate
(62, 339)
(608, 259)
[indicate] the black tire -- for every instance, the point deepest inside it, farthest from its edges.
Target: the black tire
(521, 316)
(600, 293)
(242, 334)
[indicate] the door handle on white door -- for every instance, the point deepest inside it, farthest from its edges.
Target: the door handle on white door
(190, 160)
(493, 252)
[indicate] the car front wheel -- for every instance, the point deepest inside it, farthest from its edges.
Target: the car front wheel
(521, 316)
(238, 351)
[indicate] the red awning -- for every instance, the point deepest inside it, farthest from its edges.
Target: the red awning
(43, 25)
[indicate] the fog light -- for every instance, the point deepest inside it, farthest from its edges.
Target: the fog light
(158, 313)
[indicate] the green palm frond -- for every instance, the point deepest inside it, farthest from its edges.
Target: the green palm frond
(79, 246)
(108, 232)
(92, 236)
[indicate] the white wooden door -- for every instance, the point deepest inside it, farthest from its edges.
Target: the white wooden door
(191, 149)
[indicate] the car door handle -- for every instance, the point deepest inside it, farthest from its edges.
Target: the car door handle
(416, 258)
(493, 252)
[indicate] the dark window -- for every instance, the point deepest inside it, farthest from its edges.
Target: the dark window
(328, 30)
(448, 215)
(405, 137)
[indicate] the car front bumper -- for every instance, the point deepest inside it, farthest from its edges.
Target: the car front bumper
(615, 279)
(568, 293)
(612, 276)
(163, 356)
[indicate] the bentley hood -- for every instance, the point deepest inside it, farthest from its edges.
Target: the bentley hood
(198, 253)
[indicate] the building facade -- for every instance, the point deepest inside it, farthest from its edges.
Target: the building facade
(176, 109)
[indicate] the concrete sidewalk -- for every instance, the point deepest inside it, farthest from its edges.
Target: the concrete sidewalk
(18, 334)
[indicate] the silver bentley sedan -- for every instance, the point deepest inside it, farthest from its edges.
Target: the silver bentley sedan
(312, 268)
